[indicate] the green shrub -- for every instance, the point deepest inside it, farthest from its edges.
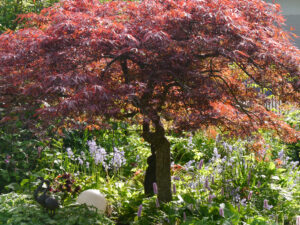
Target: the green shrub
(10, 9)
(16, 209)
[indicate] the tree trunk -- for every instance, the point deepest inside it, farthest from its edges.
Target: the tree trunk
(159, 162)
(150, 176)
(163, 164)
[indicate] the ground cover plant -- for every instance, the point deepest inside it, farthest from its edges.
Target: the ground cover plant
(157, 104)
(215, 180)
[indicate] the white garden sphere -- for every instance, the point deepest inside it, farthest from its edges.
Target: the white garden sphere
(93, 197)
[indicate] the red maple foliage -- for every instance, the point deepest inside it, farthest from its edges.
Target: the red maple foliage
(185, 61)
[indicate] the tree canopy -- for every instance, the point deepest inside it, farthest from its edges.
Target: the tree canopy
(185, 61)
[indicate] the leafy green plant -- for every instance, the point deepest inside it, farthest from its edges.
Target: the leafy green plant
(16, 209)
(18, 158)
(10, 9)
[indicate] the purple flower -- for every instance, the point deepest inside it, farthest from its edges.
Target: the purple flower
(92, 147)
(80, 160)
(281, 154)
(258, 184)
(190, 144)
(218, 138)
(175, 178)
(221, 209)
(294, 164)
(98, 153)
(216, 155)
(266, 205)
(157, 203)
(188, 165)
(200, 164)
(118, 159)
(192, 185)
(139, 213)
(249, 177)
(100, 156)
(206, 184)
(70, 153)
(174, 188)
(155, 188)
(211, 197)
(243, 202)
(184, 216)
(250, 195)
(83, 155)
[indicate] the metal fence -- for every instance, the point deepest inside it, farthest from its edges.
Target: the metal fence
(274, 105)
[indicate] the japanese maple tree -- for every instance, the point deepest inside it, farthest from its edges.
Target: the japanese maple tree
(180, 61)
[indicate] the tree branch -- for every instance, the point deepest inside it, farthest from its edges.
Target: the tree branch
(124, 67)
(119, 57)
(165, 92)
(233, 95)
(208, 55)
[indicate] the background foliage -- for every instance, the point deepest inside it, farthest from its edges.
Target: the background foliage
(10, 9)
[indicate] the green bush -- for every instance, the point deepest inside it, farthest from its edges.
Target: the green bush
(17, 209)
(10, 9)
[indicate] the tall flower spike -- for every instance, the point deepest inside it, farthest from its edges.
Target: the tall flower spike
(211, 197)
(206, 184)
(174, 188)
(139, 213)
(249, 177)
(200, 164)
(118, 159)
(250, 195)
(155, 188)
(70, 153)
(221, 209)
(258, 184)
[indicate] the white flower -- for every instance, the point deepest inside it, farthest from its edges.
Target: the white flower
(216, 155)
(118, 159)
(92, 147)
(70, 153)
(100, 156)
(80, 160)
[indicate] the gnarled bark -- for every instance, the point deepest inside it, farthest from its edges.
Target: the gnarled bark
(150, 176)
(159, 162)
